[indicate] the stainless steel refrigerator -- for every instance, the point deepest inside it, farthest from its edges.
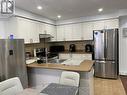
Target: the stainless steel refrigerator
(12, 60)
(106, 53)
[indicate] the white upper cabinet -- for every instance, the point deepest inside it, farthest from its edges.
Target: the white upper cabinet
(41, 28)
(106, 24)
(23, 28)
(51, 29)
(98, 25)
(88, 30)
(111, 24)
(28, 30)
(34, 32)
(60, 33)
(77, 31)
(68, 32)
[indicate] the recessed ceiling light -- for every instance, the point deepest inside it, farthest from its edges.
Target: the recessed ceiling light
(59, 16)
(100, 9)
(39, 7)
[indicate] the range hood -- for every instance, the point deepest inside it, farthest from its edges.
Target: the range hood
(44, 36)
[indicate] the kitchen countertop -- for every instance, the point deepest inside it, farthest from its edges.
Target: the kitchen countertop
(85, 66)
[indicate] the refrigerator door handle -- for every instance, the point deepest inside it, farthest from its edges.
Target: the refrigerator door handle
(99, 61)
(106, 43)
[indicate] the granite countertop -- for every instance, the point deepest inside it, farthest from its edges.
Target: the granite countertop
(85, 66)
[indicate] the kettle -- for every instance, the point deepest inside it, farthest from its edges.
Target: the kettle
(88, 48)
(72, 48)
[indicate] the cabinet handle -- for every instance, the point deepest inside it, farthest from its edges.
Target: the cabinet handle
(31, 40)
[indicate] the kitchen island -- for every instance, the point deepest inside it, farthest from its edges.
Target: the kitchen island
(43, 74)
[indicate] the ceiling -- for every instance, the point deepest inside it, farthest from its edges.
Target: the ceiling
(69, 9)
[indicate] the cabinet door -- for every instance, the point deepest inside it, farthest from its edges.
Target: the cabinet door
(34, 32)
(28, 30)
(98, 25)
(68, 32)
(88, 30)
(77, 31)
(23, 30)
(111, 24)
(60, 33)
(51, 29)
(41, 27)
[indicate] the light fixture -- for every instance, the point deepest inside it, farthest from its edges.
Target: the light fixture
(39, 7)
(59, 16)
(100, 9)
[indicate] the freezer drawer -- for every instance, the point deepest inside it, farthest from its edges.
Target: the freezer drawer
(106, 69)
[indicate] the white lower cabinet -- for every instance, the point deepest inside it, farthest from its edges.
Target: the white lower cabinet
(75, 56)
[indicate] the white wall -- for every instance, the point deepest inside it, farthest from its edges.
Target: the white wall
(2, 28)
(123, 47)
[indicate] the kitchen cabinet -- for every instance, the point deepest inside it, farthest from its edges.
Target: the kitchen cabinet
(75, 56)
(41, 28)
(88, 30)
(68, 32)
(28, 30)
(84, 31)
(77, 31)
(111, 24)
(98, 25)
(60, 33)
(51, 29)
(106, 24)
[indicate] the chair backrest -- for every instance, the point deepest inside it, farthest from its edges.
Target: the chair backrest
(70, 78)
(11, 86)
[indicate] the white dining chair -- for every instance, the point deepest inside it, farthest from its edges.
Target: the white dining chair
(70, 78)
(11, 86)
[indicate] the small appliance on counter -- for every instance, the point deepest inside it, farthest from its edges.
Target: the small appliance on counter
(72, 48)
(88, 48)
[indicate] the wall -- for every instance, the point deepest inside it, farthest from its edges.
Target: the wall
(123, 47)
(80, 45)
